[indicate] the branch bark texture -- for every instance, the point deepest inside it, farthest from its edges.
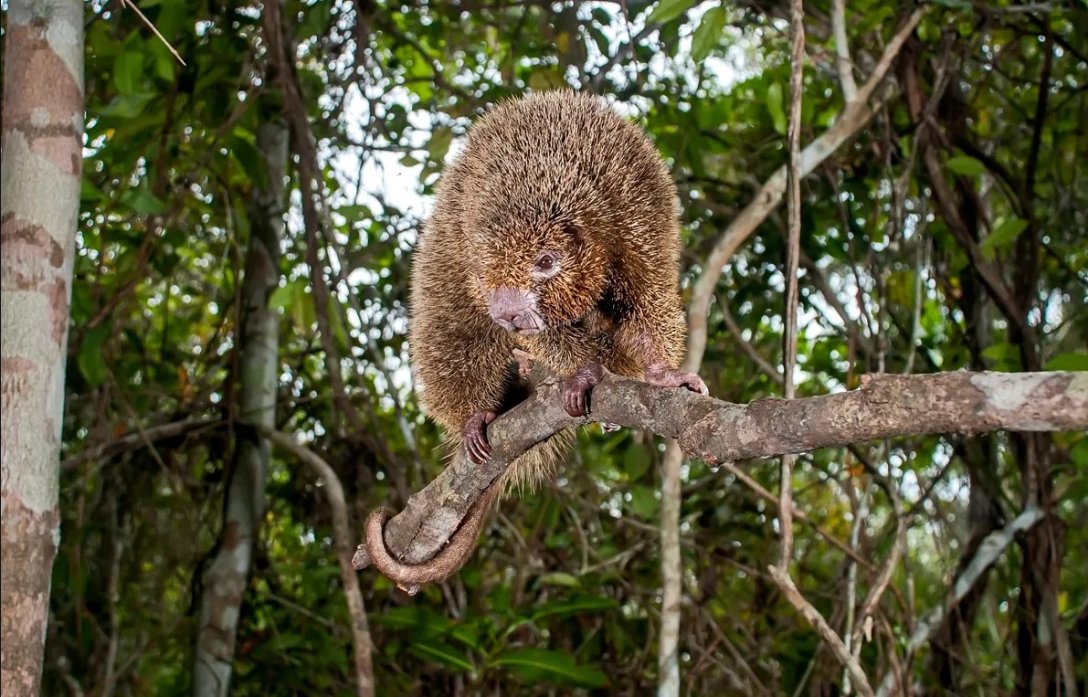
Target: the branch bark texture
(885, 406)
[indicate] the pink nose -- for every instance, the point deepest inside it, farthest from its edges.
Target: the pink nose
(511, 308)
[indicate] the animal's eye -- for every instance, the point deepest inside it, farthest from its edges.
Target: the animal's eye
(545, 263)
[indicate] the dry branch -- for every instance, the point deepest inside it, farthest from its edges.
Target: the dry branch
(885, 406)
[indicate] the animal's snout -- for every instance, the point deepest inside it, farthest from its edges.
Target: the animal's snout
(515, 310)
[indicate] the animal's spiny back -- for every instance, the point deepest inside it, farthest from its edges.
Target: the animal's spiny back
(567, 149)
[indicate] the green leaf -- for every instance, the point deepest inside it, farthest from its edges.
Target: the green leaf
(414, 618)
(774, 107)
(89, 192)
(547, 77)
(1003, 236)
(1068, 361)
(558, 578)
(439, 145)
(575, 606)
(546, 665)
(249, 158)
(143, 201)
(1002, 353)
(962, 164)
(636, 461)
(644, 502)
(303, 312)
(708, 33)
(128, 106)
(128, 71)
(90, 360)
(667, 10)
(163, 61)
(442, 653)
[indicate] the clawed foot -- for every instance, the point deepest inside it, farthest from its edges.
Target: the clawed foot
(662, 375)
(575, 389)
(475, 436)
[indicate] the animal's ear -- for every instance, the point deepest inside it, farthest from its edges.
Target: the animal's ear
(573, 232)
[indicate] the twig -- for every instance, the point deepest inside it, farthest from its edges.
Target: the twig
(854, 116)
(152, 27)
(134, 441)
(992, 547)
(843, 63)
(749, 350)
(861, 514)
(736, 655)
(793, 250)
(789, 590)
(310, 185)
(334, 495)
(744, 478)
(781, 572)
(599, 75)
(916, 313)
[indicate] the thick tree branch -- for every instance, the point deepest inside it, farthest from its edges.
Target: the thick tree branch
(885, 406)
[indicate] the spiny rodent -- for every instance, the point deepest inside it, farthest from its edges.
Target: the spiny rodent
(555, 231)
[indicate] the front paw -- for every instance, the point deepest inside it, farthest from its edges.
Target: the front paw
(475, 436)
(576, 388)
(662, 375)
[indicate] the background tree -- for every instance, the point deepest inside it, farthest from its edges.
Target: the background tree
(944, 230)
(42, 132)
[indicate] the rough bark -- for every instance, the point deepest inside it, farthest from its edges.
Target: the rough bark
(226, 579)
(885, 406)
(42, 163)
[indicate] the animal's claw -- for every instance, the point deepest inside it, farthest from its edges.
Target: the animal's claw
(662, 375)
(576, 388)
(475, 436)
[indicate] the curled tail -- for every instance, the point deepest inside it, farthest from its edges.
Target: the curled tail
(526, 472)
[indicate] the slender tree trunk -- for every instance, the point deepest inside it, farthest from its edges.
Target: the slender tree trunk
(42, 162)
(672, 574)
(226, 580)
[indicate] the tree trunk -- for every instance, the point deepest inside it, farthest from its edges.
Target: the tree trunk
(42, 162)
(672, 574)
(226, 580)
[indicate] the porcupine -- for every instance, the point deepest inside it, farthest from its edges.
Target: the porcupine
(555, 232)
